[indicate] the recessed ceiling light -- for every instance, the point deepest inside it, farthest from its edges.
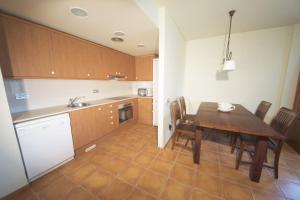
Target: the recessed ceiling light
(80, 12)
(140, 45)
(119, 33)
(117, 39)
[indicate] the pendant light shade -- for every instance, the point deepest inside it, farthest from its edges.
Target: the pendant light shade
(229, 65)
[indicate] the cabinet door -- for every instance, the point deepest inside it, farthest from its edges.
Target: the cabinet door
(145, 110)
(99, 122)
(108, 64)
(28, 47)
(129, 68)
(144, 68)
(91, 60)
(83, 126)
(135, 109)
(66, 56)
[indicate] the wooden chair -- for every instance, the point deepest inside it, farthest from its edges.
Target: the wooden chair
(260, 112)
(182, 130)
(262, 109)
(185, 118)
(281, 123)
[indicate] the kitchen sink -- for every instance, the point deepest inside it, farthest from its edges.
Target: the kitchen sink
(80, 104)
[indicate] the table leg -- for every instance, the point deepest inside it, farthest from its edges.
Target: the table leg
(197, 147)
(258, 159)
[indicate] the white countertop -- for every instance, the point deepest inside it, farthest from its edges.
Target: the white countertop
(55, 110)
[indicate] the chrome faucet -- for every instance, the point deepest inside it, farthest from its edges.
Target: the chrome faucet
(72, 101)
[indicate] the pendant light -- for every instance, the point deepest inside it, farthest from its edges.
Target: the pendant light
(228, 63)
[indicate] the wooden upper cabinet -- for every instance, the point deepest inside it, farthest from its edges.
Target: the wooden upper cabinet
(74, 58)
(108, 66)
(128, 68)
(28, 49)
(116, 63)
(144, 67)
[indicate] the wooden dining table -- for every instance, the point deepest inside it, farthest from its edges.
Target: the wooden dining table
(238, 121)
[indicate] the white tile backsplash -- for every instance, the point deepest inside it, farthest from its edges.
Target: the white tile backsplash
(47, 93)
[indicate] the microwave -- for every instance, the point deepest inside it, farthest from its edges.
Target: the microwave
(142, 92)
(145, 92)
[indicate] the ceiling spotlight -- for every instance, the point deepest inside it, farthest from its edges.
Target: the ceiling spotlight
(119, 33)
(117, 39)
(80, 12)
(140, 45)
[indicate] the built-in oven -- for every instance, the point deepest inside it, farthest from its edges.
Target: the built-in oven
(125, 112)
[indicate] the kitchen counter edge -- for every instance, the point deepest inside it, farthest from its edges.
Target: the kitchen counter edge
(56, 110)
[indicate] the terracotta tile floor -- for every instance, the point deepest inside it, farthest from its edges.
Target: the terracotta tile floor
(127, 165)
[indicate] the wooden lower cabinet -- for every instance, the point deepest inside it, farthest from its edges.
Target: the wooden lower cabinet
(110, 118)
(84, 126)
(145, 107)
(92, 123)
(89, 124)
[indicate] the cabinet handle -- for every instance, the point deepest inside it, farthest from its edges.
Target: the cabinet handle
(110, 105)
(136, 78)
(107, 76)
(99, 108)
(111, 111)
(116, 72)
(111, 122)
(88, 74)
(53, 72)
(111, 117)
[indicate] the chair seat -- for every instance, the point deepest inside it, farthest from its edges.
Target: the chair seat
(188, 119)
(186, 129)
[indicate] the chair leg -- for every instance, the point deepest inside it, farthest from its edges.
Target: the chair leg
(266, 159)
(175, 136)
(233, 143)
(276, 164)
(239, 155)
(187, 142)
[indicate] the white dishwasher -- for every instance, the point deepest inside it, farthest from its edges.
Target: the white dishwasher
(45, 144)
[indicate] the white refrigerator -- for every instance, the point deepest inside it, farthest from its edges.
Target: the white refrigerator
(155, 91)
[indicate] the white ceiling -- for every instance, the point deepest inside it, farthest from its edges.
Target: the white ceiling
(206, 18)
(105, 17)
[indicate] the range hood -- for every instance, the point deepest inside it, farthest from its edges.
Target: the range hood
(116, 77)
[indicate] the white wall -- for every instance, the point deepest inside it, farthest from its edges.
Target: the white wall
(12, 173)
(47, 93)
(171, 69)
(292, 72)
(261, 57)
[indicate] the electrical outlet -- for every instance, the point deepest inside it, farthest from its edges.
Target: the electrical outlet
(22, 95)
(95, 91)
(170, 127)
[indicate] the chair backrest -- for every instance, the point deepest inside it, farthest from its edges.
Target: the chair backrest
(175, 113)
(262, 109)
(283, 120)
(182, 106)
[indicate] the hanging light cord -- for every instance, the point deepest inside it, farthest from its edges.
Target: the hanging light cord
(229, 54)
